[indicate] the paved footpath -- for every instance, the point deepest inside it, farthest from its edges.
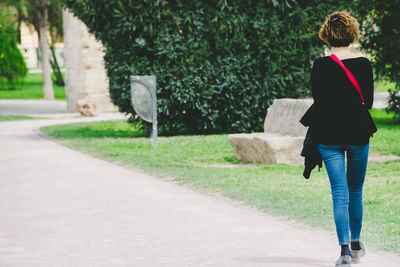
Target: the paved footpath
(59, 207)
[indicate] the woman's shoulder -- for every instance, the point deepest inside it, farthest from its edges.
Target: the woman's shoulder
(328, 59)
(319, 62)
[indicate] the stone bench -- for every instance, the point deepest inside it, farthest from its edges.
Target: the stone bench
(283, 136)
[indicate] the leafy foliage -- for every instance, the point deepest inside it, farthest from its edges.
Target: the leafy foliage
(12, 64)
(29, 12)
(219, 64)
(382, 40)
(32, 12)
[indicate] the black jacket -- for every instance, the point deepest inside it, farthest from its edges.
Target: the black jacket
(341, 119)
(310, 152)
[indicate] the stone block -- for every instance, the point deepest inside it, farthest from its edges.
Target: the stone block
(268, 148)
(284, 114)
(283, 136)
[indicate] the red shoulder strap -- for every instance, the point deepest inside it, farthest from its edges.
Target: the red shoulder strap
(349, 74)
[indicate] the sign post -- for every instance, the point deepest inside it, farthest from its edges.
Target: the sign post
(144, 101)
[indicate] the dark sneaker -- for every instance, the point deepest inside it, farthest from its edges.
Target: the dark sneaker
(356, 254)
(343, 261)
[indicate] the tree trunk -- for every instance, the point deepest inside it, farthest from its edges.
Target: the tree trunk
(56, 68)
(48, 91)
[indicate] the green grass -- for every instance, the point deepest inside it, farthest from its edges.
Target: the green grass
(207, 163)
(16, 117)
(387, 139)
(30, 88)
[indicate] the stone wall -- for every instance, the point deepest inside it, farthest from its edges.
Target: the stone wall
(85, 75)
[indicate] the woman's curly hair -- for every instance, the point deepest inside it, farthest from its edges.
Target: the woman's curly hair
(339, 29)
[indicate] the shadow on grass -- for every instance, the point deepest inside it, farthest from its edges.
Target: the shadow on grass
(96, 133)
(91, 132)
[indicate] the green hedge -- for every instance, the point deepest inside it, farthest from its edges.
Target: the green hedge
(219, 64)
(12, 64)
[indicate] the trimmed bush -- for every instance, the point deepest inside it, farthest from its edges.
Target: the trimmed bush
(12, 64)
(219, 64)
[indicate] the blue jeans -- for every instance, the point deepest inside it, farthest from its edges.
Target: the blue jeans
(346, 187)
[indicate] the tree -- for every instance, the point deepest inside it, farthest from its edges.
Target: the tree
(40, 11)
(381, 39)
(36, 13)
(12, 65)
(56, 33)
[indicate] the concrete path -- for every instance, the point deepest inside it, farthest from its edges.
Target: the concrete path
(59, 207)
(36, 108)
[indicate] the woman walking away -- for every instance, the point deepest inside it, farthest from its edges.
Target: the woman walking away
(343, 90)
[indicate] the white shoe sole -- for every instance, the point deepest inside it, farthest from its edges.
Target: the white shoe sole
(359, 254)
